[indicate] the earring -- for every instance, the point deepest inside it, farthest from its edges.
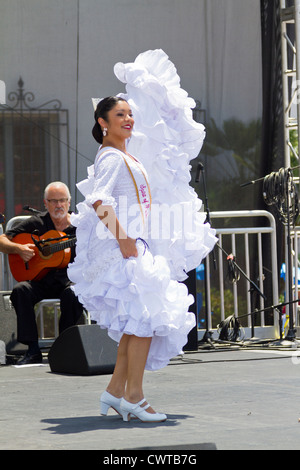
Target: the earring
(105, 131)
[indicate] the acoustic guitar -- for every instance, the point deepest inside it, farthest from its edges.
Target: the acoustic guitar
(52, 251)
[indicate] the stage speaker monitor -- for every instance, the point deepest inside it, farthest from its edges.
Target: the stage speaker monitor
(83, 350)
(8, 325)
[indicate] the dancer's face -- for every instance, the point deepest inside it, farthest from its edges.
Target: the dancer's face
(119, 122)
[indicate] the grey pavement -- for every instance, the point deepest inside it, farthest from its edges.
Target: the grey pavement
(216, 399)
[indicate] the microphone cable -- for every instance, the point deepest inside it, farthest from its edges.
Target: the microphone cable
(233, 273)
(280, 191)
(230, 329)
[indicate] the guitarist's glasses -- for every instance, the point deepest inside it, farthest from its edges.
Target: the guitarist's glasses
(56, 201)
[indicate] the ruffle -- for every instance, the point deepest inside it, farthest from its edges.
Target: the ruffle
(166, 139)
(142, 296)
(136, 297)
(86, 187)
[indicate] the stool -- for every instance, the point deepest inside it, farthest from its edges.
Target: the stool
(55, 303)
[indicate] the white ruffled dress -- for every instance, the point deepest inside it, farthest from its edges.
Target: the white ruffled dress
(142, 296)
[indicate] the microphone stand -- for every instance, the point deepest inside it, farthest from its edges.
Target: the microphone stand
(291, 335)
(253, 288)
(31, 209)
(279, 308)
(208, 334)
(207, 337)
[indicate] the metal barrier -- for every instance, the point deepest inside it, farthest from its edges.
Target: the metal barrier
(9, 283)
(231, 235)
(295, 242)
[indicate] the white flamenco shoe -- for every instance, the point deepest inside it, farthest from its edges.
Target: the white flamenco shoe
(109, 401)
(134, 409)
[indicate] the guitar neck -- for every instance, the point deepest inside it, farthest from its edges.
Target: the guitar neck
(53, 248)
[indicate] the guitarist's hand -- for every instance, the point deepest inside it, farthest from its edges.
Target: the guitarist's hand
(26, 251)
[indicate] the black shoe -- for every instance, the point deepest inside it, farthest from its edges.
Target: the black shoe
(31, 359)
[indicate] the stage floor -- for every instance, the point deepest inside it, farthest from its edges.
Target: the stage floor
(223, 399)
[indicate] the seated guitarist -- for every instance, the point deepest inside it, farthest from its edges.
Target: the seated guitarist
(55, 284)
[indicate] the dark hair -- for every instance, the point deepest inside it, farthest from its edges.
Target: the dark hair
(103, 107)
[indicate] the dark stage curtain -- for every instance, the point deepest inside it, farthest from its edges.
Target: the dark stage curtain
(272, 153)
(272, 121)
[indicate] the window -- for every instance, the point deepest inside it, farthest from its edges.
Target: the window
(33, 152)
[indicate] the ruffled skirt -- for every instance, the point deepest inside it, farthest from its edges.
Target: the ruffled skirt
(135, 296)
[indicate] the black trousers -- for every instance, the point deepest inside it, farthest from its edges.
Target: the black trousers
(26, 294)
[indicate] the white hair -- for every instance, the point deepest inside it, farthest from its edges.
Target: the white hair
(59, 184)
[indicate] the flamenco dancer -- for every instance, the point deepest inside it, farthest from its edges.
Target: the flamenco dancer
(127, 278)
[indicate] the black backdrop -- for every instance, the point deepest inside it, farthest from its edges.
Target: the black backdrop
(272, 121)
(272, 153)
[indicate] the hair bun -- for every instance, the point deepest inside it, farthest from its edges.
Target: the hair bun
(97, 133)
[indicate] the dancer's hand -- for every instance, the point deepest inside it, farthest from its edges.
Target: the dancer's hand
(108, 217)
(128, 247)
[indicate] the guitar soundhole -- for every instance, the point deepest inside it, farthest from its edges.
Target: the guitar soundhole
(46, 251)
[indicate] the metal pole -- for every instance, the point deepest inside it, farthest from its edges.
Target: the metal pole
(285, 74)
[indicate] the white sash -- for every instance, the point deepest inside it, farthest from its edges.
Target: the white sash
(140, 182)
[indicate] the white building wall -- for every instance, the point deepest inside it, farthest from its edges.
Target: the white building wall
(66, 49)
